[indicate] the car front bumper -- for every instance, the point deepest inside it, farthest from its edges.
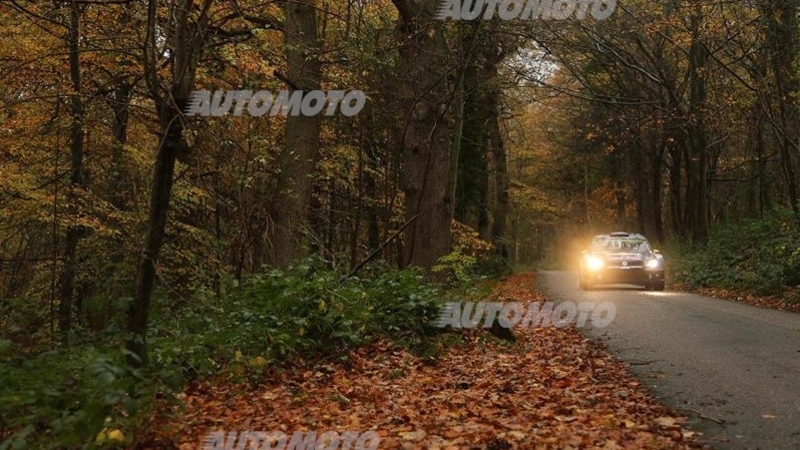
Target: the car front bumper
(633, 275)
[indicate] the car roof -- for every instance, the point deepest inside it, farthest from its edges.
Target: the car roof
(620, 234)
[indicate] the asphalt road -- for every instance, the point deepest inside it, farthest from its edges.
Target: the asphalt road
(733, 369)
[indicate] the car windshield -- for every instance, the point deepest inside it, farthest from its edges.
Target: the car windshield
(613, 244)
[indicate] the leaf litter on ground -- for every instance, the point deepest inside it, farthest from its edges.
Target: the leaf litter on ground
(552, 389)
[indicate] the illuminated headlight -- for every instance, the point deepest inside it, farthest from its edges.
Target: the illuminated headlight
(594, 263)
(652, 264)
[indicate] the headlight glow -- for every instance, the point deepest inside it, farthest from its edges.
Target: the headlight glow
(594, 263)
(652, 264)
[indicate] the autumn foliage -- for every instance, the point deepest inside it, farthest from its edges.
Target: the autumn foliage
(552, 389)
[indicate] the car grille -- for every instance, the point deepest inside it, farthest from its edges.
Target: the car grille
(625, 265)
(625, 261)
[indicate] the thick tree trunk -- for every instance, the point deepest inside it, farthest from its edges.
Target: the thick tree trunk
(648, 179)
(298, 159)
(482, 176)
(696, 139)
(471, 191)
(426, 138)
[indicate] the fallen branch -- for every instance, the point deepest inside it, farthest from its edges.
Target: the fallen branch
(644, 363)
(380, 247)
(703, 416)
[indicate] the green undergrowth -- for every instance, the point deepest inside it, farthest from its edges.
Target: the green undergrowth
(753, 256)
(85, 396)
(64, 398)
(306, 311)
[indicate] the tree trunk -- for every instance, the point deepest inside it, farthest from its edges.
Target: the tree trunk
(66, 283)
(696, 140)
(120, 104)
(298, 159)
(455, 152)
(187, 46)
(655, 194)
(676, 201)
(426, 138)
(617, 174)
(471, 192)
(501, 204)
(160, 194)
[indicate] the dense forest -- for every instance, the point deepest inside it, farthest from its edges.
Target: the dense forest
(483, 145)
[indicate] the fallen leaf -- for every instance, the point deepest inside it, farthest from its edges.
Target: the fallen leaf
(665, 421)
(554, 389)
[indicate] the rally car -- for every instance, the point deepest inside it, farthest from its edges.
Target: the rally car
(622, 257)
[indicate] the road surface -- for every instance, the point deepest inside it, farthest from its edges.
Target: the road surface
(732, 368)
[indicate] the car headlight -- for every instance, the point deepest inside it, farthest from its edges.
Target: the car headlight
(594, 263)
(652, 264)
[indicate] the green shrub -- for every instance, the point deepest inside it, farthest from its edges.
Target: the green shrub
(471, 258)
(759, 256)
(63, 399)
(306, 310)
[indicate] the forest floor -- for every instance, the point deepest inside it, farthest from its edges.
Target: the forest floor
(551, 389)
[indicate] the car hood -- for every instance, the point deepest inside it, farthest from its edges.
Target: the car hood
(623, 256)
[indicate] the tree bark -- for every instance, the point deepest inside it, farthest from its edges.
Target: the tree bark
(171, 98)
(120, 104)
(66, 284)
(501, 204)
(472, 181)
(696, 139)
(676, 200)
(298, 159)
(425, 141)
